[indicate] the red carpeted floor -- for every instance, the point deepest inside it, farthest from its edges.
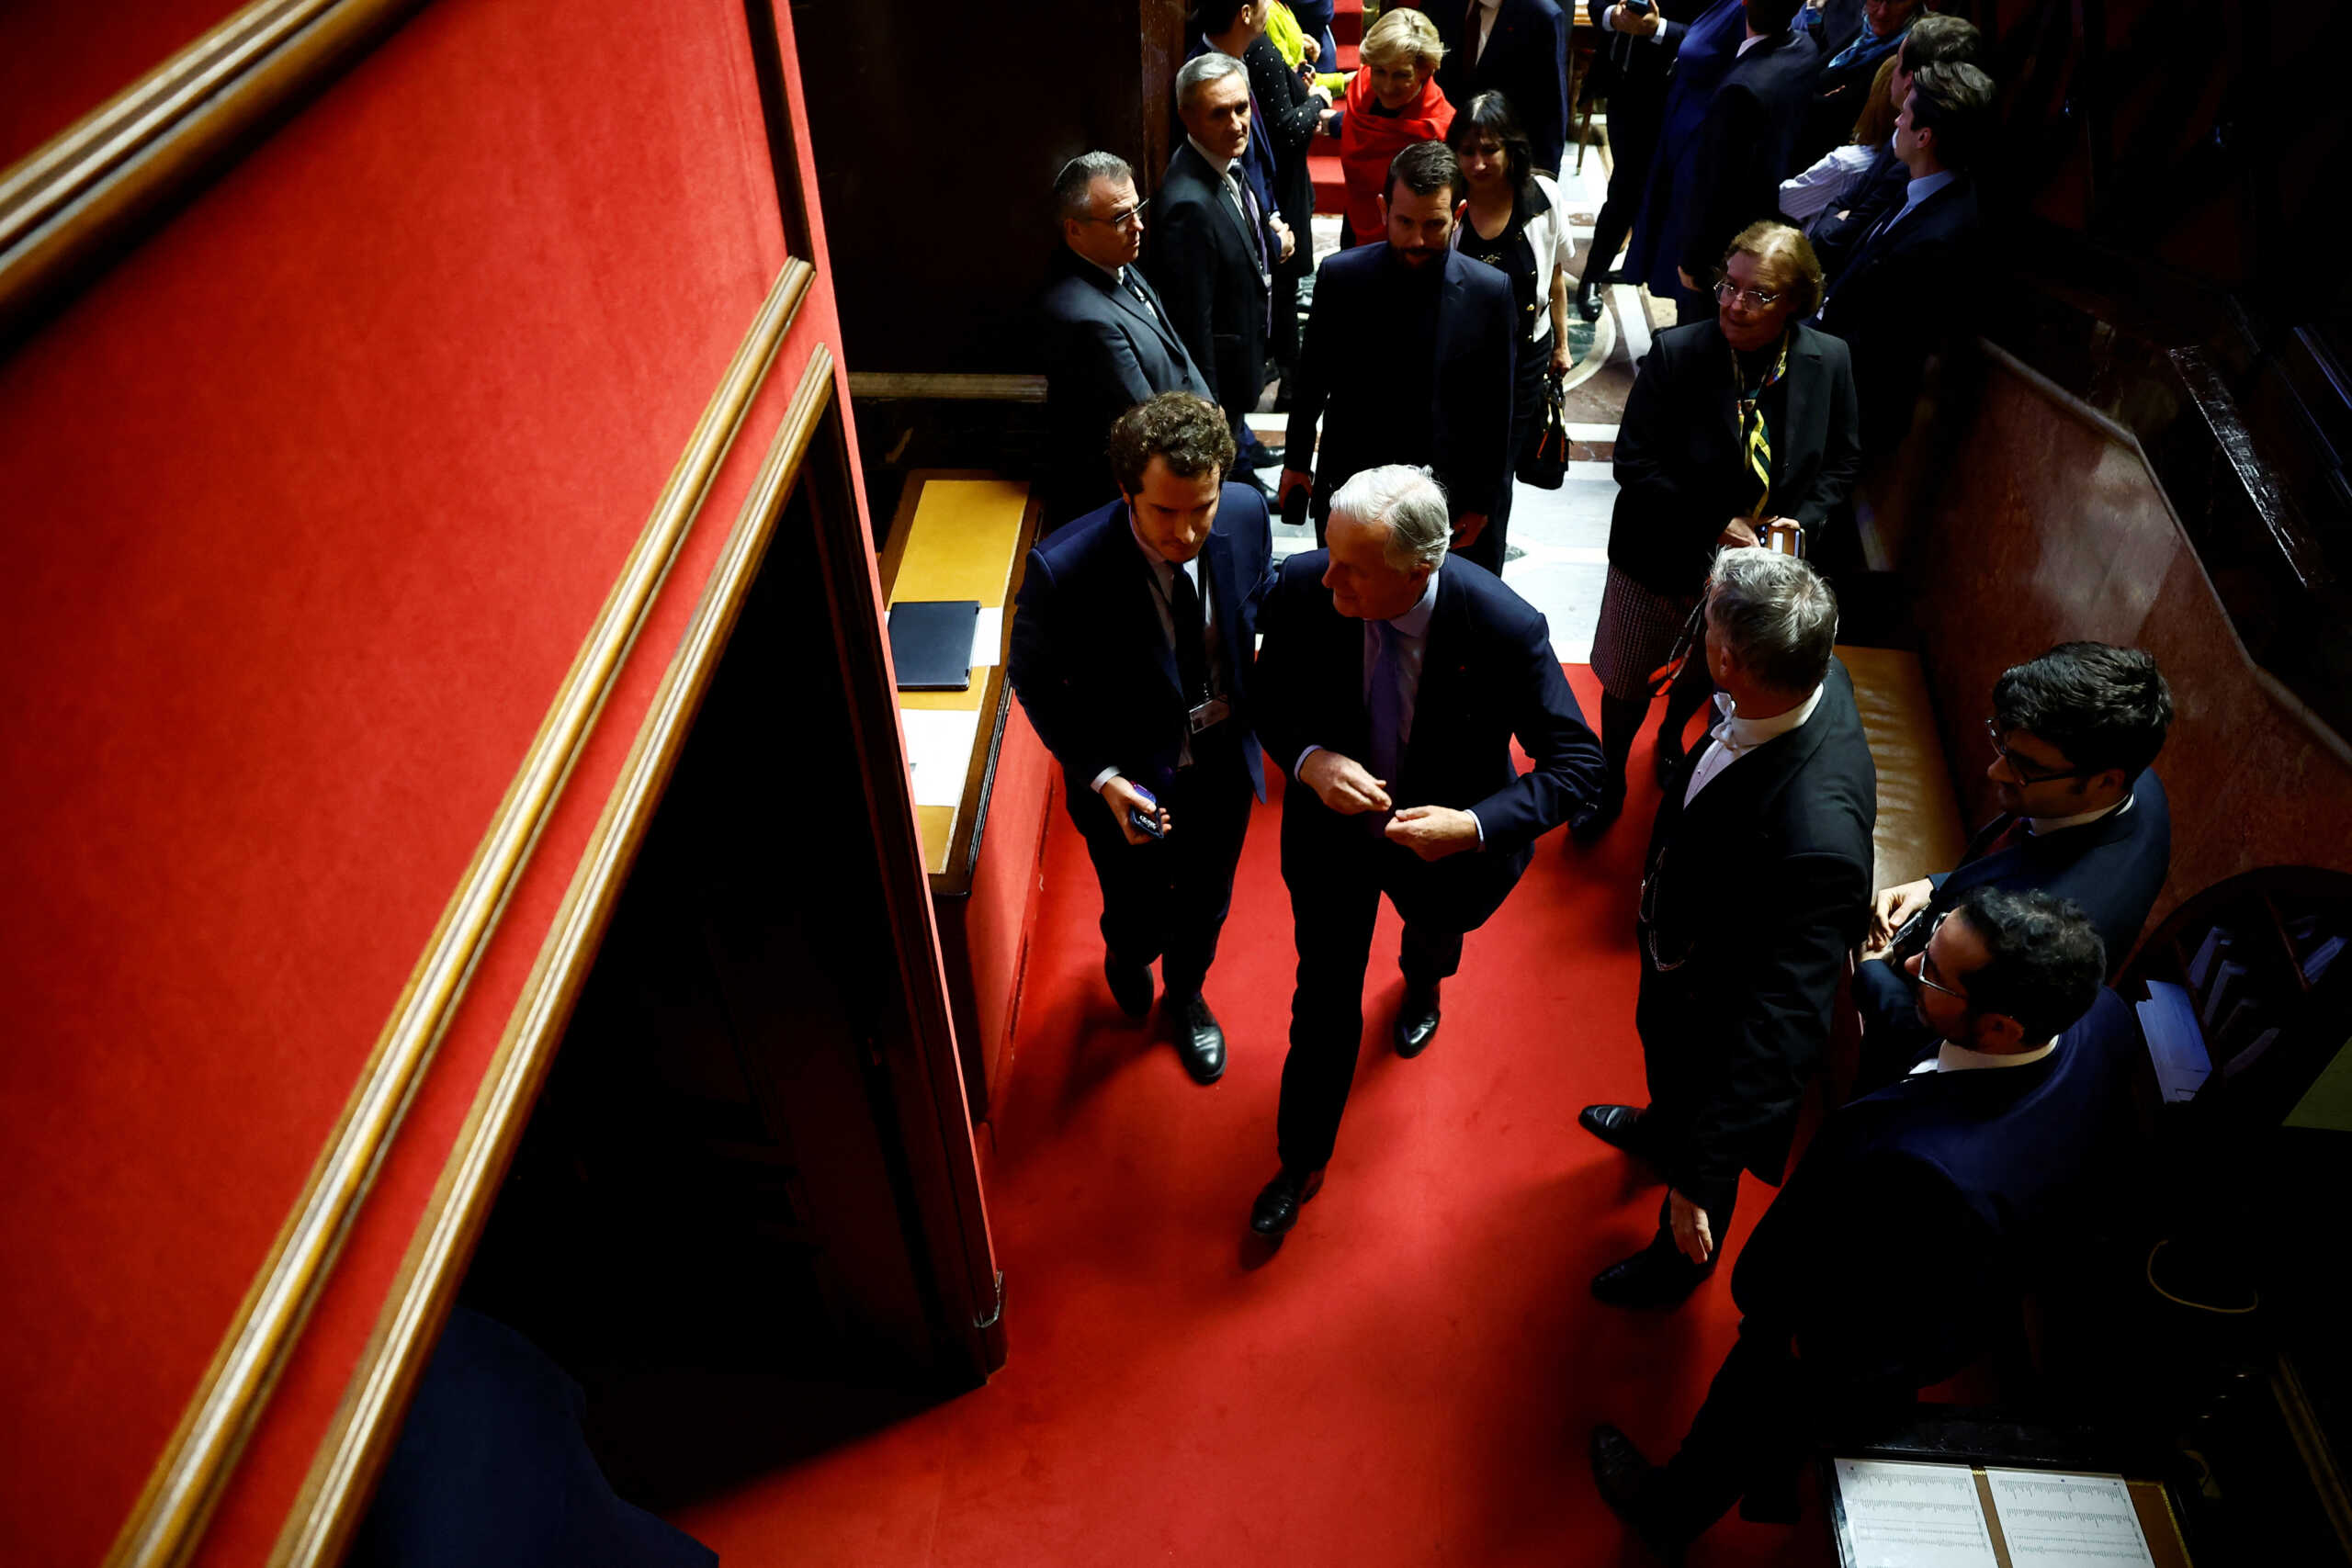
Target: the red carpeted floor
(1410, 1380)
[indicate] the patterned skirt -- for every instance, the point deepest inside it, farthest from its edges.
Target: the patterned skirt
(1635, 635)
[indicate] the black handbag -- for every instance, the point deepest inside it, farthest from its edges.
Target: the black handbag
(1544, 464)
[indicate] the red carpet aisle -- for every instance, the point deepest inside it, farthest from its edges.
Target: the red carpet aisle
(1408, 1381)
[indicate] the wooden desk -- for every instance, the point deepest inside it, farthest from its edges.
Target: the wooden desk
(982, 781)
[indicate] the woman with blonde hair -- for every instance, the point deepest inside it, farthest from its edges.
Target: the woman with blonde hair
(1742, 430)
(1811, 197)
(1392, 102)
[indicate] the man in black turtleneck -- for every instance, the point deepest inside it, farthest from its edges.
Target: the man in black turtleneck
(1409, 350)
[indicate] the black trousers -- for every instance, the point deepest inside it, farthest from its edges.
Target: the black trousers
(1526, 406)
(1167, 898)
(1636, 111)
(1667, 1135)
(1336, 883)
(1764, 1413)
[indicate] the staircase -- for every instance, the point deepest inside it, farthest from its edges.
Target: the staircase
(1347, 31)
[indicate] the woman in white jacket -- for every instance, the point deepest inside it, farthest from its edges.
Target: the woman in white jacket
(1830, 185)
(1517, 224)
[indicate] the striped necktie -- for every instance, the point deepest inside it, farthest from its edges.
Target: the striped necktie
(1755, 441)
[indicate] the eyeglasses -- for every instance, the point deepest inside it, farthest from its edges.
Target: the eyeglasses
(2027, 770)
(1922, 976)
(1754, 298)
(1121, 219)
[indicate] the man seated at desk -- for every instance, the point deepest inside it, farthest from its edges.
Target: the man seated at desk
(1900, 1249)
(1134, 642)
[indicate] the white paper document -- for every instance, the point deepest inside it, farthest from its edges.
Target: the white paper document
(939, 752)
(988, 637)
(1912, 1515)
(2067, 1521)
(2176, 1044)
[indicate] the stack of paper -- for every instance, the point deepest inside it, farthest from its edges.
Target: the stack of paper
(2176, 1044)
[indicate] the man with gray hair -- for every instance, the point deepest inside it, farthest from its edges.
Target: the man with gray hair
(1757, 887)
(1391, 682)
(1109, 342)
(1215, 252)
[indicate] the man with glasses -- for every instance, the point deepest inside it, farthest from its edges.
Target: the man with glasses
(1109, 342)
(1905, 1239)
(2082, 816)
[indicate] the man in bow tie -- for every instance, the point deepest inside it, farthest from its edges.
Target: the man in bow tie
(1393, 679)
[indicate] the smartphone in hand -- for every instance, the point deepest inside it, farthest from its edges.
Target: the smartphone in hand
(1145, 817)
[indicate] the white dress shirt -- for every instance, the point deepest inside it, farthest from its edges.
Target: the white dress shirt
(1748, 43)
(1952, 1058)
(1488, 11)
(1917, 191)
(2043, 827)
(1163, 579)
(1732, 737)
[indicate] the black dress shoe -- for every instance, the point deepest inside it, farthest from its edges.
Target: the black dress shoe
(1415, 1021)
(1199, 1043)
(1259, 455)
(1619, 1126)
(1130, 986)
(1278, 1203)
(1593, 819)
(1630, 1484)
(1588, 296)
(1657, 1275)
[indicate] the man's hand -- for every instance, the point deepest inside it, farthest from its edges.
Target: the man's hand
(1737, 533)
(1341, 784)
(1292, 479)
(1281, 232)
(1640, 24)
(1891, 909)
(1123, 797)
(1433, 832)
(1466, 531)
(1691, 1232)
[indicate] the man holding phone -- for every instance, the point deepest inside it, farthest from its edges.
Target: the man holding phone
(1134, 640)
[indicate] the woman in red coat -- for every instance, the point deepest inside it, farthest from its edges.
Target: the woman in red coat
(1392, 102)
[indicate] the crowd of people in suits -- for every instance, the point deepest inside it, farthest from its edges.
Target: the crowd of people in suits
(1164, 655)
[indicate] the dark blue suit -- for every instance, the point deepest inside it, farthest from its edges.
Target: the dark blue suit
(1901, 1247)
(2114, 868)
(1874, 299)
(1444, 400)
(1488, 675)
(1093, 668)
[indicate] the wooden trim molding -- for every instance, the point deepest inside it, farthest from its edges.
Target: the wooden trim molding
(167, 1522)
(345, 1469)
(66, 203)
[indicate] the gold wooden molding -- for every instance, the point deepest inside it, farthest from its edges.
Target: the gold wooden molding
(66, 200)
(168, 1520)
(352, 1455)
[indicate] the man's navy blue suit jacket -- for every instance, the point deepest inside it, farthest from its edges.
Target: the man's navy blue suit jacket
(1902, 1242)
(1092, 665)
(1488, 674)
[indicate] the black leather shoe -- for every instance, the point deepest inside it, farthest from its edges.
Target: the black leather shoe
(1593, 819)
(1199, 1043)
(1130, 986)
(1589, 296)
(1619, 1126)
(1279, 1203)
(1657, 1275)
(1629, 1483)
(1415, 1021)
(1262, 454)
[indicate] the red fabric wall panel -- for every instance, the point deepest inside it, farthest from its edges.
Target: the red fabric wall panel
(1004, 889)
(311, 501)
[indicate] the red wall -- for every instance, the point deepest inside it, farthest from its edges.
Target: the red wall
(311, 501)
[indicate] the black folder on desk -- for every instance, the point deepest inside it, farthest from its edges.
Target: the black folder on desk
(930, 643)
